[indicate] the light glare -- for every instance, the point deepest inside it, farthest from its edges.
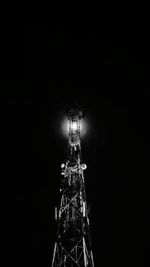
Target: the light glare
(74, 126)
(83, 127)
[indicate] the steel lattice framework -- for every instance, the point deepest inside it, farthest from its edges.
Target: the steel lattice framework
(73, 243)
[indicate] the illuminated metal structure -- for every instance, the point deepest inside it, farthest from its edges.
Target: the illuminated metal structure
(73, 243)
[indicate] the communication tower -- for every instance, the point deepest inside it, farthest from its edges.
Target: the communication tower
(73, 242)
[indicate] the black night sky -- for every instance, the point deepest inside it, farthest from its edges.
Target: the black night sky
(102, 63)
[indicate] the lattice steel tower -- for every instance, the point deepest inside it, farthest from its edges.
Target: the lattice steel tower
(73, 243)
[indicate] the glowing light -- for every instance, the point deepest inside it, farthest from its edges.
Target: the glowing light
(74, 126)
(84, 126)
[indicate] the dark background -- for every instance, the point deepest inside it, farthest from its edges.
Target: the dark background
(101, 62)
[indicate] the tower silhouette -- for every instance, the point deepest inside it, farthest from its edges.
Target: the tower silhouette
(73, 243)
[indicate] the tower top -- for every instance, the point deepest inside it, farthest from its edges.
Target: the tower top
(74, 117)
(75, 113)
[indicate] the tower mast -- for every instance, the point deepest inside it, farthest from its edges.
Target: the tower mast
(73, 243)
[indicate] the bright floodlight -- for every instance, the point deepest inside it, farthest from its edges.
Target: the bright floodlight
(74, 126)
(75, 123)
